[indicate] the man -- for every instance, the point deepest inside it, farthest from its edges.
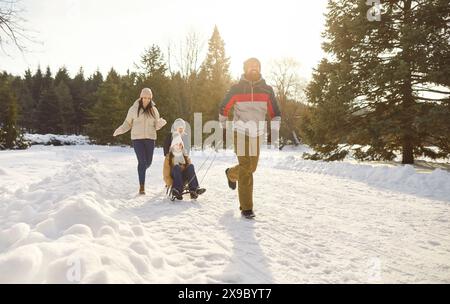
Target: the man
(252, 99)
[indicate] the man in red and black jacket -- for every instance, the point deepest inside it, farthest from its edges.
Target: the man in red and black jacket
(252, 100)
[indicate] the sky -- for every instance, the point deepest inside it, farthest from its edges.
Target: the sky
(102, 34)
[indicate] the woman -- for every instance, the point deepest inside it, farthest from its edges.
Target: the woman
(143, 119)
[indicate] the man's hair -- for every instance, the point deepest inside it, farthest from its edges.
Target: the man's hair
(250, 60)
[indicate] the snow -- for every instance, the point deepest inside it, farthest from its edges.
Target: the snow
(54, 139)
(432, 184)
(70, 214)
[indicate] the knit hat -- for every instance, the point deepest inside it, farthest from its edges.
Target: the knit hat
(146, 92)
(251, 60)
(178, 123)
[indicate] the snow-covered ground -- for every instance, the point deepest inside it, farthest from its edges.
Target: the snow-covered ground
(55, 139)
(71, 214)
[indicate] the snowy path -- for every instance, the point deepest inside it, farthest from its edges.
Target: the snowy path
(64, 208)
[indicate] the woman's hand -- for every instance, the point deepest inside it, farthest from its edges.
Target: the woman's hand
(116, 133)
(160, 123)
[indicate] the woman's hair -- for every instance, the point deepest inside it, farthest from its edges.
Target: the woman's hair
(148, 110)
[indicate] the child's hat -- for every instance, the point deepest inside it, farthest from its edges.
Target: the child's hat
(178, 123)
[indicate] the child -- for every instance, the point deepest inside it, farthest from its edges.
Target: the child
(178, 127)
(178, 169)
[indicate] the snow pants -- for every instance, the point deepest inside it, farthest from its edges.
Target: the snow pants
(247, 150)
(179, 176)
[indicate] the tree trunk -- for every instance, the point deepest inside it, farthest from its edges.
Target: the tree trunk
(408, 152)
(408, 100)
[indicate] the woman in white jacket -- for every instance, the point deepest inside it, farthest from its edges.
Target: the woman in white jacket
(144, 121)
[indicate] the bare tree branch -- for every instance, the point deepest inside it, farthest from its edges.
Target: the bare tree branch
(187, 59)
(284, 75)
(12, 32)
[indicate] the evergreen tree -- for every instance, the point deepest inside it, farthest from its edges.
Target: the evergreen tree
(28, 80)
(37, 84)
(152, 62)
(214, 78)
(48, 80)
(48, 113)
(108, 112)
(62, 91)
(4, 97)
(92, 86)
(62, 76)
(10, 135)
(385, 87)
(80, 101)
(10, 125)
(27, 104)
(93, 83)
(153, 74)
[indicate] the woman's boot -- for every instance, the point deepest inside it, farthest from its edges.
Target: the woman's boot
(142, 190)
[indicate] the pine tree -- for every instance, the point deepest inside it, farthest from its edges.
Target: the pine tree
(48, 80)
(48, 113)
(94, 82)
(152, 62)
(10, 135)
(37, 84)
(10, 126)
(28, 80)
(385, 87)
(214, 78)
(62, 76)
(27, 104)
(153, 74)
(4, 97)
(80, 101)
(108, 112)
(62, 91)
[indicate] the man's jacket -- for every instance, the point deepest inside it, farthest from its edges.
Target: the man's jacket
(252, 101)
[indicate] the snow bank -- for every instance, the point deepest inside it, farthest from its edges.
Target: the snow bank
(61, 231)
(435, 184)
(56, 140)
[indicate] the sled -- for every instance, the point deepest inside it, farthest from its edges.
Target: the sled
(185, 191)
(169, 192)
